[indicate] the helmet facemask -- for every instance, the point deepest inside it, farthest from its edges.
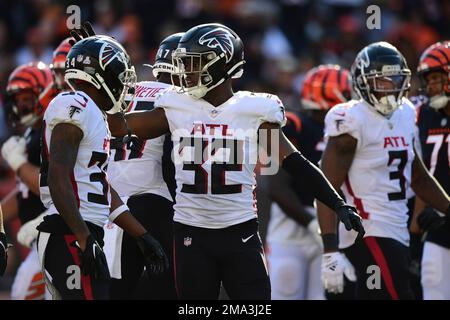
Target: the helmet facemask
(202, 72)
(386, 89)
(193, 70)
(128, 82)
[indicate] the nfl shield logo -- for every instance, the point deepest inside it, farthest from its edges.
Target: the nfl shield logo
(187, 241)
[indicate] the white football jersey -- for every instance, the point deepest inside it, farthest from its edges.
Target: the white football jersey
(89, 180)
(136, 167)
(215, 151)
(380, 174)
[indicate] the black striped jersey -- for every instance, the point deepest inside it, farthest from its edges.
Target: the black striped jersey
(434, 136)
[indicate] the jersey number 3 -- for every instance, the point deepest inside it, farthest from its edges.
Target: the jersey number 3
(398, 174)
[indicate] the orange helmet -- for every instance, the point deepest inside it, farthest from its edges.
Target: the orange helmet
(58, 64)
(436, 58)
(36, 78)
(60, 54)
(325, 86)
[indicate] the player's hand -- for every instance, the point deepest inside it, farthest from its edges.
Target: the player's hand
(314, 231)
(93, 260)
(350, 218)
(3, 253)
(156, 261)
(85, 31)
(28, 232)
(429, 219)
(14, 151)
(334, 267)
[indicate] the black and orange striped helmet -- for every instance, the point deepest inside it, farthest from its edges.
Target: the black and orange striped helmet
(38, 79)
(58, 65)
(60, 54)
(325, 86)
(436, 58)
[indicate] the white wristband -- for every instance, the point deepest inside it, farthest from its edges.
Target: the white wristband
(117, 212)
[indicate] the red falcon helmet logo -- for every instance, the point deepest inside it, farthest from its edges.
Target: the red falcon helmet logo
(220, 38)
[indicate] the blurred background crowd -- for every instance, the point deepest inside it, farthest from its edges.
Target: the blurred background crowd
(283, 38)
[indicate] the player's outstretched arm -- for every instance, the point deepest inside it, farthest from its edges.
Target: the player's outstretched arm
(155, 259)
(64, 144)
(144, 124)
(428, 189)
(303, 170)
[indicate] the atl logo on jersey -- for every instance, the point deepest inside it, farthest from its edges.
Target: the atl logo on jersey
(395, 142)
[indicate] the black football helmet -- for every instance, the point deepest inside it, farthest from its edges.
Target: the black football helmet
(104, 63)
(163, 59)
(212, 51)
(381, 76)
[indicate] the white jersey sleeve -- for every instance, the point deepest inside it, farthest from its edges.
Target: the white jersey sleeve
(343, 119)
(272, 109)
(69, 107)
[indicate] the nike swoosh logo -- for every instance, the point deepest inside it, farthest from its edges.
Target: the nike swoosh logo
(246, 239)
(82, 104)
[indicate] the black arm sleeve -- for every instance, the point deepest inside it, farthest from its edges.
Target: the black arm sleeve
(302, 169)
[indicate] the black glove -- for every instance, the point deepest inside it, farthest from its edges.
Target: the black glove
(85, 31)
(156, 261)
(93, 260)
(3, 253)
(429, 219)
(350, 218)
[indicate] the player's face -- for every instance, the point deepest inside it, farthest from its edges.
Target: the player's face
(59, 79)
(435, 83)
(25, 101)
(192, 66)
(383, 86)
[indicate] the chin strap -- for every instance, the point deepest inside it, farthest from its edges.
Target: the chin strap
(126, 139)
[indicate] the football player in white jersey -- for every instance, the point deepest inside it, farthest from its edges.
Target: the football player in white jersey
(136, 172)
(294, 245)
(73, 184)
(370, 156)
(215, 136)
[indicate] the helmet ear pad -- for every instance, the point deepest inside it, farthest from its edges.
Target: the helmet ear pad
(213, 72)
